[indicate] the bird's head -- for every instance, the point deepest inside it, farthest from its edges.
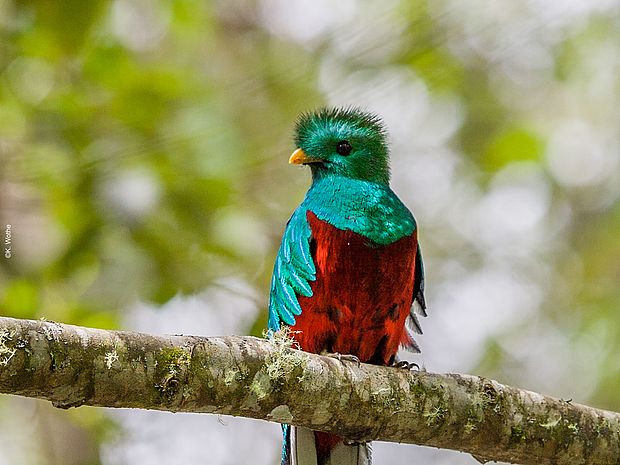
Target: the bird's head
(342, 142)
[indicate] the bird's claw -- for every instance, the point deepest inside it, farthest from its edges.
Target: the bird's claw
(405, 365)
(345, 358)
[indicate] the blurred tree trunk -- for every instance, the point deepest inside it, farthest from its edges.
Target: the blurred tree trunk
(245, 376)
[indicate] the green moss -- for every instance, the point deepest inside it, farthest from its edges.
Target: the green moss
(172, 358)
(562, 430)
(517, 434)
(230, 377)
(550, 423)
(61, 356)
(235, 375)
(416, 388)
(490, 397)
(470, 427)
(170, 363)
(384, 397)
(473, 420)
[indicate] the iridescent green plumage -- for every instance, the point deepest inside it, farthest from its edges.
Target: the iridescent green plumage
(349, 192)
(318, 133)
(349, 266)
(292, 272)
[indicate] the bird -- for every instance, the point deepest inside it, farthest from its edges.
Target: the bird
(348, 277)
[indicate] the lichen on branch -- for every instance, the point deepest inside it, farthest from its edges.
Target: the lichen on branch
(271, 380)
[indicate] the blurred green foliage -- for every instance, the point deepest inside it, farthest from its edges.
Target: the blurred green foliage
(81, 109)
(195, 107)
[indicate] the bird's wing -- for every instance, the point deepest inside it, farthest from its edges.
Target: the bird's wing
(292, 272)
(418, 285)
(418, 306)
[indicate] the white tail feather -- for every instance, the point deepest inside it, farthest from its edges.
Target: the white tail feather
(303, 451)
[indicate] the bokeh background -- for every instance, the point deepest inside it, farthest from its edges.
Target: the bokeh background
(143, 169)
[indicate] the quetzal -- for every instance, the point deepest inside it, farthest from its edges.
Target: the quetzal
(348, 274)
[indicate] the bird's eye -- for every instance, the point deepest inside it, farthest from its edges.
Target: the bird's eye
(343, 147)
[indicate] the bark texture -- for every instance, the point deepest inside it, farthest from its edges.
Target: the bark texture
(250, 377)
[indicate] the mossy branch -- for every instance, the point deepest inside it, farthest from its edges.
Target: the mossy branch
(250, 377)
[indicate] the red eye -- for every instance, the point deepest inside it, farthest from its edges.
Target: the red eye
(343, 147)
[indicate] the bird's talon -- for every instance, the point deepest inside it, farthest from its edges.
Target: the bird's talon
(345, 358)
(405, 365)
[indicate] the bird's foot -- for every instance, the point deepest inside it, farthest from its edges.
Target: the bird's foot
(344, 358)
(405, 365)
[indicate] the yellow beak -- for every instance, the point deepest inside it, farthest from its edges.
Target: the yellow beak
(298, 157)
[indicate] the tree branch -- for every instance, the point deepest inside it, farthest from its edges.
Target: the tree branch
(250, 377)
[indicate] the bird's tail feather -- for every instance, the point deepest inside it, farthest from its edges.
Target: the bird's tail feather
(300, 449)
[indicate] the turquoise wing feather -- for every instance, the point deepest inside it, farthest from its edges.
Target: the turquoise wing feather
(292, 272)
